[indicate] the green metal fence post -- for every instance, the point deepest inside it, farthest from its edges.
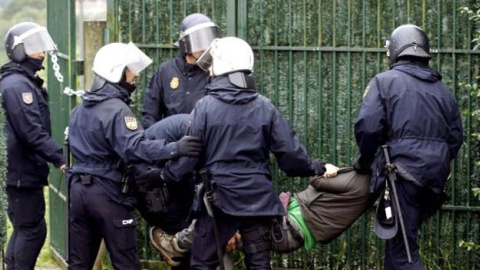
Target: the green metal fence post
(61, 25)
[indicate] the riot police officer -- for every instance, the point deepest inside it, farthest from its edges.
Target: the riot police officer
(236, 156)
(179, 83)
(29, 142)
(408, 108)
(105, 137)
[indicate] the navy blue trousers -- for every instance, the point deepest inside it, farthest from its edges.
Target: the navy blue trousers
(204, 248)
(416, 204)
(26, 211)
(94, 216)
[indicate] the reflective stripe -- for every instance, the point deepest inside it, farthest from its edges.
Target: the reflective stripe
(197, 27)
(19, 39)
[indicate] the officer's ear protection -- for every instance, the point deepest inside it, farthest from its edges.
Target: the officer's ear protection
(18, 53)
(242, 79)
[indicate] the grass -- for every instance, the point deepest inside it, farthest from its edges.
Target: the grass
(45, 259)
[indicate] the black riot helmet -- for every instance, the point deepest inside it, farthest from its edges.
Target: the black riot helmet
(196, 32)
(408, 40)
(27, 38)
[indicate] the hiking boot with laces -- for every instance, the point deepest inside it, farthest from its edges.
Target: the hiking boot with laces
(167, 245)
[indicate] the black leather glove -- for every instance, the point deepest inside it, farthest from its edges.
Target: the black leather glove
(189, 146)
(149, 180)
(319, 166)
(360, 167)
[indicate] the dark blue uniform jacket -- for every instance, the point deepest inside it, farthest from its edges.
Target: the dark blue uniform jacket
(173, 89)
(27, 127)
(239, 128)
(103, 133)
(409, 108)
(171, 129)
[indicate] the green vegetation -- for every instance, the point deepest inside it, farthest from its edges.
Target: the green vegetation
(474, 91)
(475, 17)
(471, 245)
(13, 12)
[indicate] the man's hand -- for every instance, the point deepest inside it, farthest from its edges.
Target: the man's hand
(189, 146)
(331, 170)
(360, 166)
(233, 242)
(63, 168)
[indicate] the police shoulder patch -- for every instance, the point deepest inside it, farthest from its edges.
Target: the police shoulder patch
(174, 83)
(131, 122)
(27, 97)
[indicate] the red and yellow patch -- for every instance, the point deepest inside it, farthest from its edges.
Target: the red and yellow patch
(27, 98)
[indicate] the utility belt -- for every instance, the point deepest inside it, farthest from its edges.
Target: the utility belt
(197, 204)
(86, 179)
(110, 171)
(154, 189)
(204, 186)
(124, 184)
(89, 179)
(83, 178)
(260, 233)
(283, 236)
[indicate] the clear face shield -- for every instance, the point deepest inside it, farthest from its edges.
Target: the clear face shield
(387, 46)
(205, 61)
(35, 40)
(136, 59)
(199, 37)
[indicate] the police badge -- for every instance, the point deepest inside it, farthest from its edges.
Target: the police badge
(27, 97)
(174, 83)
(131, 122)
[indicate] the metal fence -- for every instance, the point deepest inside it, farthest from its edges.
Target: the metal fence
(61, 25)
(313, 59)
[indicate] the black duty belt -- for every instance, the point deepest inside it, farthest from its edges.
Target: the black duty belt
(86, 179)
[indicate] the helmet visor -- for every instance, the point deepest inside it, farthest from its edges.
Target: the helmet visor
(206, 59)
(387, 47)
(36, 40)
(199, 39)
(137, 61)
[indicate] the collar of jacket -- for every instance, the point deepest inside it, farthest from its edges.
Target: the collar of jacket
(221, 88)
(25, 68)
(187, 68)
(107, 91)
